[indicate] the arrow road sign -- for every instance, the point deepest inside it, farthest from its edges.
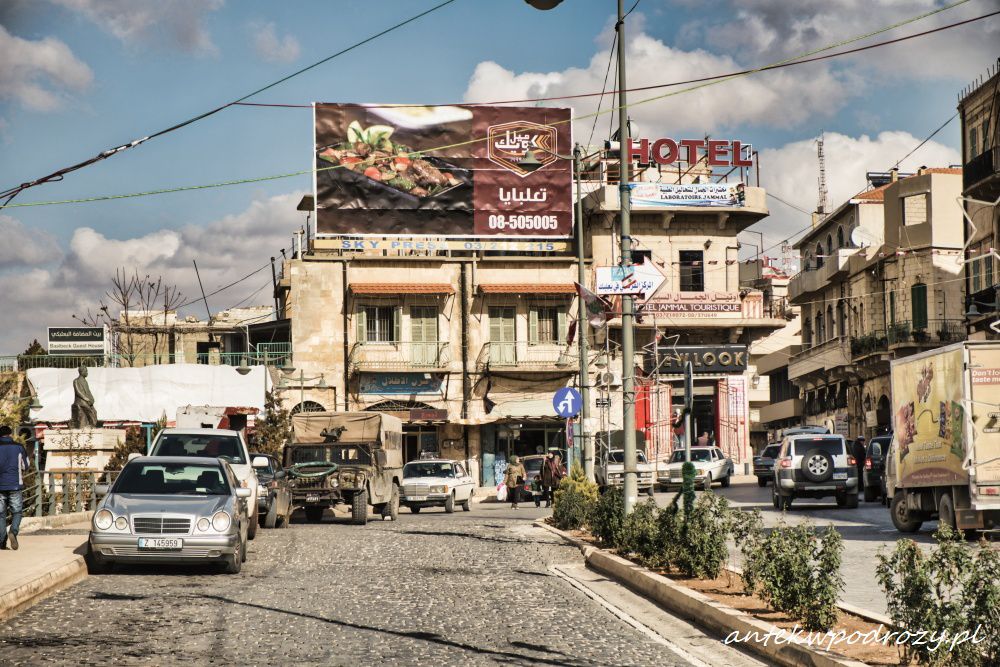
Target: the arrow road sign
(642, 279)
(567, 402)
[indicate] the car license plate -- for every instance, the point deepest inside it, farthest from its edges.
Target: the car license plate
(312, 499)
(840, 475)
(416, 498)
(161, 543)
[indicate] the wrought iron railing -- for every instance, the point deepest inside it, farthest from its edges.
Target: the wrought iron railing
(270, 354)
(400, 355)
(525, 355)
(932, 333)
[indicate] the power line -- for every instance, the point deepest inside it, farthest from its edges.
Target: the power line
(58, 175)
(600, 102)
(931, 136)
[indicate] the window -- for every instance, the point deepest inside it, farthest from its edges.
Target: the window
(977, 283)
(840, 237)
(918, 297)
(973, 143)
(892, 307)
(819, 255)
(546, 325)
(915, 209)
(502, 340)
(692, 271)
(378, 324)
(986, 134)
(829, 244)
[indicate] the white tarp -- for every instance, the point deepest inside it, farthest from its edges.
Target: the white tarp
(145, 394)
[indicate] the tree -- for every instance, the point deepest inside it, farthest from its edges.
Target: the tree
(34, 350)
(272, 431)
(134, 443)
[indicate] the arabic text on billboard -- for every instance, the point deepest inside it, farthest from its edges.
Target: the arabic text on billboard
(689, 194)
(76, 340)
(450, 171)
(714, 305)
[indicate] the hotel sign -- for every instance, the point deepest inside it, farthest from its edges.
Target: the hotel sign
(715, 152)
(706, 305)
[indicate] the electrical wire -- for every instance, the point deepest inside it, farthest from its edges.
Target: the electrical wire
(600, 102)
(224, 287)
(58, 175)
(614, 108)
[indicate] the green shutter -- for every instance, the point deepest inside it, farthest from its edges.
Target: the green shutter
(561, 325)
(918, 295)
(533, 325)
(892, 307)
(496, 325)
(361, 333)
(397, 324)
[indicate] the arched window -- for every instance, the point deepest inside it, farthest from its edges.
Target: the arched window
(829, 244)
(840, 237)
(806, 333)
(918, 300)
(841, 319)
(820, 336)
(308, 406)
(831, 325)
(819, 255)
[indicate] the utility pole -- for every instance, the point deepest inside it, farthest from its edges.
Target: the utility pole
(628, 334)
(581, 325)
(688, 408)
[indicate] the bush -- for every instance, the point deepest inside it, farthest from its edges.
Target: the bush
(688, 472)
(608, 517)
(639, 533)
(702, 550)
(954, 590)
(574, 500)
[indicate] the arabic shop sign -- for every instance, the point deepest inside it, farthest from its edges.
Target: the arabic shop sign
(696, 305)
(703, 358)
(400, 383)
(76, 340)
(708, 195)
(716, 152)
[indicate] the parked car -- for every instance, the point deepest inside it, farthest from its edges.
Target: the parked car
(710, 465)
(610, 471)
(171, 509)
(214, 443)
(436, 483)
(815, 466)
(763, 464)
(274, 494)
(874, 473)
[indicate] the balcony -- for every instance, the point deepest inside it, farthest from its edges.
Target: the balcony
(399, 356)
(803, 283)
(869, 344)
(826, 356)
(790, 409)
(836, 265)
(981, 167)
(523, 356)
(935, 334)
(264, 354)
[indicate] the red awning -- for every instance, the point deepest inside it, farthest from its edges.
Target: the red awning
(528, 288)
(402, 288)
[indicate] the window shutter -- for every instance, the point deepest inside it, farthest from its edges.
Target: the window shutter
(496, 325)
(561, 325)
(533, 325)
(397, 324)
(361, 336)
(918, 295)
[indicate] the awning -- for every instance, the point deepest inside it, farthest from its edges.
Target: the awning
(401, 288)
(525, 408)
(527, 288)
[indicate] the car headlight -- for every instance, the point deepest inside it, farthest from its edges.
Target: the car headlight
(439, 489)
(104, 519)
(221, 521)
(121, 523)
(204, 525)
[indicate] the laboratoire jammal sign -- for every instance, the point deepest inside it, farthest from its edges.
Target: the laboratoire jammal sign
(473, 172)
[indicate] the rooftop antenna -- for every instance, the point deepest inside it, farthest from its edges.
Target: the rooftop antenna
(821, 204)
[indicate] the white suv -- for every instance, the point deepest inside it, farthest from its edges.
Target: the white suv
(814, 466)
(214, 443)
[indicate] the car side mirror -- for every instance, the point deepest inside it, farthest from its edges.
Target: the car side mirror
(380, 458)
(260, 462)
(102, 489)
(280, 474)
(242, 492)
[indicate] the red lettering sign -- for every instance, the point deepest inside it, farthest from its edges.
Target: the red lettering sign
(716, 152)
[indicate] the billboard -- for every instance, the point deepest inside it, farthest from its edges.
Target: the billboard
(76, 340)
(442, 171)
(703, 195)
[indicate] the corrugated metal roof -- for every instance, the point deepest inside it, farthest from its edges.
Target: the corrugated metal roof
(527, 288)
(402, 288)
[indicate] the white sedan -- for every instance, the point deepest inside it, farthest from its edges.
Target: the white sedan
(436, 483)
(710, 465)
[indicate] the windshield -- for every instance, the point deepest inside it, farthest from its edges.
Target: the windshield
(428, 469)
(696, 455)
(618, 456)
(172, 479)
(832, 445)
(340, 454)
(227, 447)
(771, 451)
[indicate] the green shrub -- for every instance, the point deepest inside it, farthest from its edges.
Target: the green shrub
(688, 473)
(702, 550)
(639, 533)
(953, 590)
(608, 517)
(574, 500)
(669, 533)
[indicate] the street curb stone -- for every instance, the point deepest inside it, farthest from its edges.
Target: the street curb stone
(32, 591)
(703, 610)
(31, 524)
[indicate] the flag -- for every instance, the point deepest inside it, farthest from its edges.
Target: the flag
(571, 333)
(596, 307)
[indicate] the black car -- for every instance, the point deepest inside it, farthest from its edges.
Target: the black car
(274, 499)
(874, 472)
(763, 464)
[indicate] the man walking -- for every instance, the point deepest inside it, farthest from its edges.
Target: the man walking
(859, 460)
(13, 463)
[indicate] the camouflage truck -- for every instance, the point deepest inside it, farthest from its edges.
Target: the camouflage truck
(354, 458)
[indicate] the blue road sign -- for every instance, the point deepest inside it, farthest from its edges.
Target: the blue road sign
(567, 402)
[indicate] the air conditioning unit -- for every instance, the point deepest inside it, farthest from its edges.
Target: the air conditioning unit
(609, 378)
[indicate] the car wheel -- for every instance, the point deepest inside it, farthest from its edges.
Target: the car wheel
(817, 465)
(233, 563)
(708, 482)
(946, 511)
(650, 491)
(314, 514)
(415, 509)
(252, 528)
(359, 508)
(271, 520)
(467, 504)
(841, 499)
(96, 564)
(727, 480)
(449, 503)
(775, 498)
(786, 502)
(902, 519)
(391, 509)
(871, 494)
(761, 482)
(852, 500)
(243, 553)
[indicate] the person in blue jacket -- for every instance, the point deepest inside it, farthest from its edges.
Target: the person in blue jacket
(13, 463)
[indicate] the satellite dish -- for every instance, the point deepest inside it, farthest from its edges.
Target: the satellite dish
(860, 238)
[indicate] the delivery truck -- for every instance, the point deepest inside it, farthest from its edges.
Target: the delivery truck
(944, 457)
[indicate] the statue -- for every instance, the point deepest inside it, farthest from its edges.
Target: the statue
(83, 414)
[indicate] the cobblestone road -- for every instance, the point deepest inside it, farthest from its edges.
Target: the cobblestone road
(431, 589)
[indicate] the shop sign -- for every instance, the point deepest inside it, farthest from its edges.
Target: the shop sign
(642, 278)
(428, 414)
(841, 425)
(664, 195)
(76, 340)
(700, 305)
(703, 358)
(400, 383)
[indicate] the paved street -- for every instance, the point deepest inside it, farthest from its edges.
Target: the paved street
(469, 588)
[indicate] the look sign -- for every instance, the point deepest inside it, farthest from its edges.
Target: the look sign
(717, 152)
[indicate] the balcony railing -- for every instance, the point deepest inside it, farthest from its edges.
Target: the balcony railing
(400, 355)
(934, 334)
(264, 354)
(981, 167)
(51, 492)
(522, 355)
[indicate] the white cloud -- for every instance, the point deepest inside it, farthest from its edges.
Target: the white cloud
(225, 249)
(781, 98)
(177, 23)
(25, 247)
(272, 48)
(791, 172)
(36, 73)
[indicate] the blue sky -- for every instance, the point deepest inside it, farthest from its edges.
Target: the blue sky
(85, 75)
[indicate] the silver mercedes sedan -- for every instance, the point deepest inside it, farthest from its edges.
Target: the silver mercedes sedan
(171, 510)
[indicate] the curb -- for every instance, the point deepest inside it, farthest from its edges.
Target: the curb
(35, 590)
(31, 524)
(704, 611)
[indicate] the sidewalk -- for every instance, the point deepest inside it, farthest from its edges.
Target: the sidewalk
(45, 563)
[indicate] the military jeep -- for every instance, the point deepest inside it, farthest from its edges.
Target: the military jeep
(354, 458)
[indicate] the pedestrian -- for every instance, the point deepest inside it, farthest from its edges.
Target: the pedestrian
(552, 472)
(703, 439)
(859, 460)
(513, 479)
(13, 463)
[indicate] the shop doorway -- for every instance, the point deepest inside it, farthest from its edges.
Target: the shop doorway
(704, 414)
(524, 440)
(418, 440)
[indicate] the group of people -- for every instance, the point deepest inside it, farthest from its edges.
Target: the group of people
(515, 476)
